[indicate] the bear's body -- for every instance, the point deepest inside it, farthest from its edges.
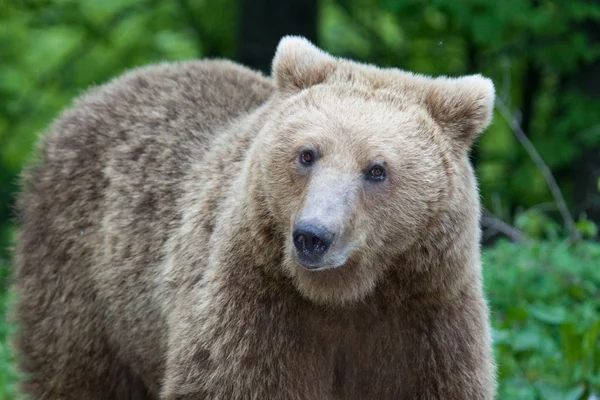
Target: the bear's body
(156, 254)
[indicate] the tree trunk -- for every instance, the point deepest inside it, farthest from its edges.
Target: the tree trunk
(587, 167)
(264, 22)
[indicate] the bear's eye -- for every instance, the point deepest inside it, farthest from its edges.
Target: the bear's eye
(376, 173)
(307, 157)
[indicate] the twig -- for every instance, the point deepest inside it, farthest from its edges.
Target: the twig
(544, 207)
(542, 166)
(506, 79)
(494, 224)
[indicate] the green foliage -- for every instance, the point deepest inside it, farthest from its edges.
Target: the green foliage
(587, 228)
(537, 224)
(546, 318)
(8, 374)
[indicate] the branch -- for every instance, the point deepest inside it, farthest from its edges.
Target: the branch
(496, 225)
(542, 166)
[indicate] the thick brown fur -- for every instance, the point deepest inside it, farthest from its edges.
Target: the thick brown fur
(155, 257)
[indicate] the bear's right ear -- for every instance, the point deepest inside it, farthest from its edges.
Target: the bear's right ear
(298, 64)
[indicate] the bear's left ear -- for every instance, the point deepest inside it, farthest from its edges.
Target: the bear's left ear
(298, 64)
(462, 106)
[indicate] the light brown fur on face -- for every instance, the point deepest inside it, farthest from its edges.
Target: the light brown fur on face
(374, 221)
(157, 255)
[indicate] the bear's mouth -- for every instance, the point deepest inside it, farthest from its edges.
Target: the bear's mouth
(333, 260)
(317, 266)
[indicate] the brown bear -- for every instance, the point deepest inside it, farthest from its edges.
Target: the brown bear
(196, 230)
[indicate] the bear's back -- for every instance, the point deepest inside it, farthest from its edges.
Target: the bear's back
(99, 203)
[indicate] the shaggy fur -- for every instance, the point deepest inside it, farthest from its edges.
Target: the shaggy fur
(155, 257)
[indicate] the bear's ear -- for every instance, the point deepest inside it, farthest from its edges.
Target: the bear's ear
(462, 106)
(298, 64)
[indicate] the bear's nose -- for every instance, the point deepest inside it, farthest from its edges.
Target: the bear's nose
(311, 242)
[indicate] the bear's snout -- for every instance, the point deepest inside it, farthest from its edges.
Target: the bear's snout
(311, 243)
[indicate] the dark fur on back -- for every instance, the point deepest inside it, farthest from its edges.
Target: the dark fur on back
(153, 258)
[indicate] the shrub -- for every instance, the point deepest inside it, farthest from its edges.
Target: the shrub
(545, 302)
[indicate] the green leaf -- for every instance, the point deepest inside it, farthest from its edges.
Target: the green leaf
(526, 340)
(575, 393)
(571, 342)
(587, 228)
(549, 392)
(552, 315)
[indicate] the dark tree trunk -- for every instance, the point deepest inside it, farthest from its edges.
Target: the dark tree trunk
(264, 22)
(586, 169)
(532, 80)
(587, 173)
(531, 84)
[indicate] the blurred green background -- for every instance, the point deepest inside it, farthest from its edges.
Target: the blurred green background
(538, 164)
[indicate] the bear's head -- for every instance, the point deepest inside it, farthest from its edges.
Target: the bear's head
(358, 163)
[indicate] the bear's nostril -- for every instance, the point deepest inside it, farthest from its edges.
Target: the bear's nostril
(302, 242)
(316, 242)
